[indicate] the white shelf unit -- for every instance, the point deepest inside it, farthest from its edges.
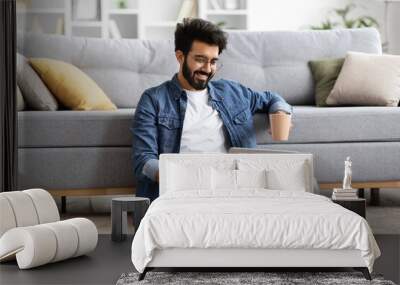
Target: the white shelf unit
(86, 23)
(47, 15)
(126, 19)
(96, 27)
(236, 18)
(123, 11)
(43, 11)
(147, 19)
(159, 18)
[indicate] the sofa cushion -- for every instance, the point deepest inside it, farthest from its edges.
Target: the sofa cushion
(372, 161)
(75, 128)
(72, 87)
(259, 60)
(75, 167)
(311, 125)
(337, 124)
(278, 60)
(102, 167)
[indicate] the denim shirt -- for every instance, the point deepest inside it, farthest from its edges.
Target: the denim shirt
(158, 121)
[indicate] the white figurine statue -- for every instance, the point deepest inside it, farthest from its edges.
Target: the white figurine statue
(347, 174)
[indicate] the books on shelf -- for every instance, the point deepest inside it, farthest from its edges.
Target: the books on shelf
(344, 194)
(340, 190)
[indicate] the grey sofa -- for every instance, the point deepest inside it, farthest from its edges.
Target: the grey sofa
(92, 149)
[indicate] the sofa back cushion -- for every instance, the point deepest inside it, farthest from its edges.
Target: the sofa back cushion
(276, 61)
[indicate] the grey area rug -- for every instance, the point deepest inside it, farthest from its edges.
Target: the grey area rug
(273, 278)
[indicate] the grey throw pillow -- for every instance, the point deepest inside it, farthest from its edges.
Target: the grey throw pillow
(35, 93)
(20, 100)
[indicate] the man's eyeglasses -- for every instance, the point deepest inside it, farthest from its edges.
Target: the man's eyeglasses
(202, 61)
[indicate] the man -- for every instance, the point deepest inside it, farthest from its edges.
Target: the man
(190, 113)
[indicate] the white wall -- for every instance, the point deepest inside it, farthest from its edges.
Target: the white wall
(296, 14)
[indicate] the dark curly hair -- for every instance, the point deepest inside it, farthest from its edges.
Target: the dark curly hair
(192, 29)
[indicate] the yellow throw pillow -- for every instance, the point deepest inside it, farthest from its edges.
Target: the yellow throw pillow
(71, 86)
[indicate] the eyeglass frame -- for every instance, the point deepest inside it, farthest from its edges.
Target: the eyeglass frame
(204, 60)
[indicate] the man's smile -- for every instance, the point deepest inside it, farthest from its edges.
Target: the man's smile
(202, 75)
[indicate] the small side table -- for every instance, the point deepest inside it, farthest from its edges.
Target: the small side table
(357, 205)
(119, 208)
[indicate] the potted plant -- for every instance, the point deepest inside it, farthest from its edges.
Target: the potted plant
(346, 21)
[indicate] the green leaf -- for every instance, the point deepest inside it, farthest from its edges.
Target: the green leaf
(363, 21)
(350, 23)
(327, 25)
(367, 21)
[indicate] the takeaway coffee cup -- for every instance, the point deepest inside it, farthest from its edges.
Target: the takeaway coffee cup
(280, 126)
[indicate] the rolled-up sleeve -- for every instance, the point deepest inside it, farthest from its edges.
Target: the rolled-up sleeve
(268, 102)
(280, 106)
(150, 169)
(144, 138)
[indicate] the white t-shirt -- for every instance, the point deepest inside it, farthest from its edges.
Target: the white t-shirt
(202, 127)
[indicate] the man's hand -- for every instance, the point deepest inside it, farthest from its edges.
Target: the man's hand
(279, 112)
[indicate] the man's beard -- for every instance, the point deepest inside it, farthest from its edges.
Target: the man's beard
(197, 84)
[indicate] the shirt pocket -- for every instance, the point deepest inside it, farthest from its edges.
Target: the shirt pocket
(169, 122)
(242, 117)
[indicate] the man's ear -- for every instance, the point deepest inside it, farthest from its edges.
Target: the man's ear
(180, 56)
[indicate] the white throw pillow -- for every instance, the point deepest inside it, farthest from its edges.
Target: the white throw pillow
(252, 179)
(295, 180)
(367, 79)
(290, 175)
(224, 179)
(183, 178)
(231, 180)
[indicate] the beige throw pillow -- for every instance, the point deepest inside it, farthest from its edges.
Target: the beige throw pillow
(71, 86)
(367, 79)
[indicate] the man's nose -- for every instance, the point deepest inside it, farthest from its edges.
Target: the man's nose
(207, 67)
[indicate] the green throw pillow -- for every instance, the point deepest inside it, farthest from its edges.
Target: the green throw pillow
(325, 73)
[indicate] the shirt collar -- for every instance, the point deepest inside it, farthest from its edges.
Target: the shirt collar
(178, 90)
